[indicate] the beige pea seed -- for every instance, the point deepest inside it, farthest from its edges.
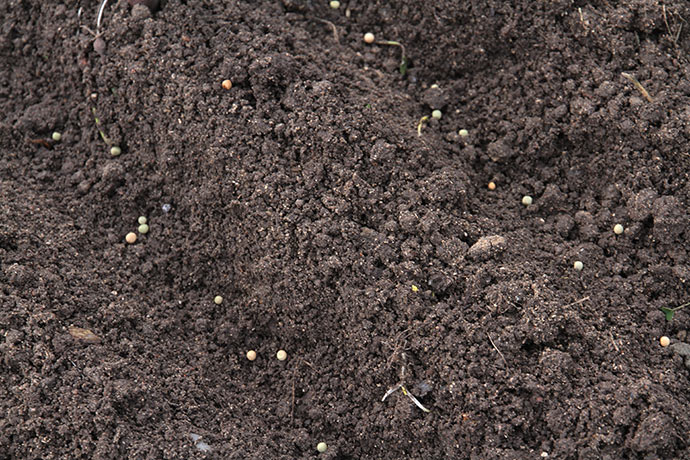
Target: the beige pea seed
(131, 238)
(578, 265)
(664, 341)
(527, 200)
(369, 38)
(227, 84)
(322, 447)
(618, 229)
(218, 300)
(251, 355)
(281, 355)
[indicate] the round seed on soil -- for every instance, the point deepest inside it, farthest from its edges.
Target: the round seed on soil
(143, 229)
(321, 447)
(227, 84)
(527, 200)
(463, 133)
(492, 185)
(218, 300)
(335, 4)
(142, 220)
(436, 114)
(369, 38)
(56, 136)
(618, 229)
(131, 238)
(664, 341)
(577, 265)
(251, 355)
(281, 355)
(115, 150)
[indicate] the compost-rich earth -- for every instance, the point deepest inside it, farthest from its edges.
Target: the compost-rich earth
(342, 223)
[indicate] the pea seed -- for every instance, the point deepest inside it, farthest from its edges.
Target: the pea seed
(143, 229)
(56, 136)
(527, 200)
(578, 265)
(321, 447)
(618, 229)
(436, 114)
(115, 150)
(218, 300)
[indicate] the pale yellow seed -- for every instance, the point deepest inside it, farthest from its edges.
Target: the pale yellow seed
(618, 229)
(131, 238)
(281, 355)
(665, 341)
(251, 355)
(369, 38)
(218, 300)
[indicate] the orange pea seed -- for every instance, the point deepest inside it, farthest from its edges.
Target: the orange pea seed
(227, 84)
(492, 186)
(251, 355)
(664, 341)
(131, 238)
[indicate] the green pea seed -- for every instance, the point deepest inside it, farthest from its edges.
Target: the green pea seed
(142, 220)
(618, 229)
(115, 150)
(436, 114)
(56, 136)
(321, 447)
(143, 229)
(463, 133)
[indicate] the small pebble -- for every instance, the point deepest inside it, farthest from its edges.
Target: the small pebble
(56, 136)
(527, 200)
(578, 265)
(492, 185)
(227, 84)
(369, 38)
(321, 447)
(218, 300)
(618, 229)
(142, 220)
(143, 229)
(131, 238)
(251, 355)
(281, 355)
(115, 150)
(665, 341)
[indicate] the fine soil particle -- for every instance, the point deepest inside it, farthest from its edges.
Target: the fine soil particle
(373, 256)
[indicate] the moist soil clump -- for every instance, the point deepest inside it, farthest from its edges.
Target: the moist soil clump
(340, 225)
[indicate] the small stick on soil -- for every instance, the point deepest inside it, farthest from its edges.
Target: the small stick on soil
(613, 342)
(638, 85)
(584, 299)
(335, 29)
(403, 60)
(496, 348)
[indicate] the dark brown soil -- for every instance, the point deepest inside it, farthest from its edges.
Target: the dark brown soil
(371, 254)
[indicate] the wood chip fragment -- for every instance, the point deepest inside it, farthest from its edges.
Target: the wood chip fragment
(84, 334)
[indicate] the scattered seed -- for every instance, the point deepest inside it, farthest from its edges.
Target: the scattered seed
(577, 265)
(527, 200)
(463, 133)
(115, 150)
(369, 38)
(227, 84)
(251, 355)
(281, 355)
(436, 114)
(131, 238)
(218, 300)
(492, 185)
(143, 229)
(56, 136)
(321, 447)
(618, 229)
(664, 341)
(335, 4)
(142, 220)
